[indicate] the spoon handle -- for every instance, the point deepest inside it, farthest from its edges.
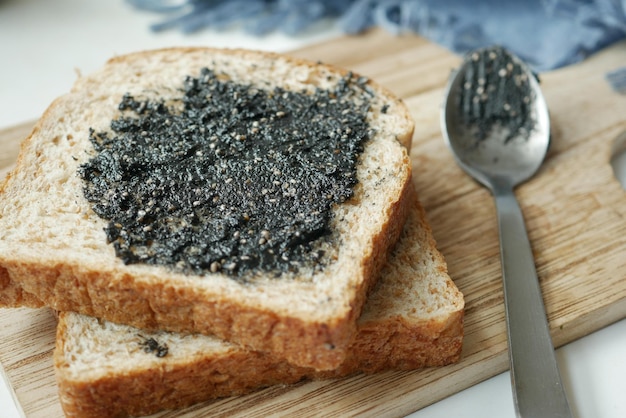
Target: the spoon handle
(537, 387)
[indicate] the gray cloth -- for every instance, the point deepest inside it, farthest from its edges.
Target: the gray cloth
(547, 34)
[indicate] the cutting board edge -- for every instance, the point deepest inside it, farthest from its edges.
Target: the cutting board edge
(590, 322)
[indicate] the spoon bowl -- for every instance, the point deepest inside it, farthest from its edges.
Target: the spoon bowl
(496, 123)
(496, 155)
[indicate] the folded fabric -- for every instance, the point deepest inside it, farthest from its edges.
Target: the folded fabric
(547, 34)
(617, 80)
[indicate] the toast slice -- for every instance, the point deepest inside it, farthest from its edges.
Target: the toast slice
(412, 319)
(243, 194)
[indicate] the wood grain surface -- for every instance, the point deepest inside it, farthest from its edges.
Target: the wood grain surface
(575, 213)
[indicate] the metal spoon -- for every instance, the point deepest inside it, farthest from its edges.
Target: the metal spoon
(495, 121)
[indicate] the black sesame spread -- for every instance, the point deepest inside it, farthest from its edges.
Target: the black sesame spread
(228, 177)
(150, 345)
(496, 94)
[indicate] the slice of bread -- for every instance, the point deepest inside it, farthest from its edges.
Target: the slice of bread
(54, 246)
(412, 319)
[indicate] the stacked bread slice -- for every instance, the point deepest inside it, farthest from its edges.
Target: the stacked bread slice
(369, 291)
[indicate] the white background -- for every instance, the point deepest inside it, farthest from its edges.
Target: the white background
(42, 45)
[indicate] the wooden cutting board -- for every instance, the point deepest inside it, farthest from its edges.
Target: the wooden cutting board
(575, 212)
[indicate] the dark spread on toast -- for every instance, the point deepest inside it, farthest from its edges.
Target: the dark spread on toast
(229, 177)
(150, 345)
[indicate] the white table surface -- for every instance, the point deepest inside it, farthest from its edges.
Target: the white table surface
(43, 44)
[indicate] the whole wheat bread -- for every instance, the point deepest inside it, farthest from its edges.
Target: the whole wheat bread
(53, 249)
(412, 319)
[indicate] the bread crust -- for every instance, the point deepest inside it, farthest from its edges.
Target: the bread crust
(13, 296)
(114, 293)
(383, 342)
(115, 296)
